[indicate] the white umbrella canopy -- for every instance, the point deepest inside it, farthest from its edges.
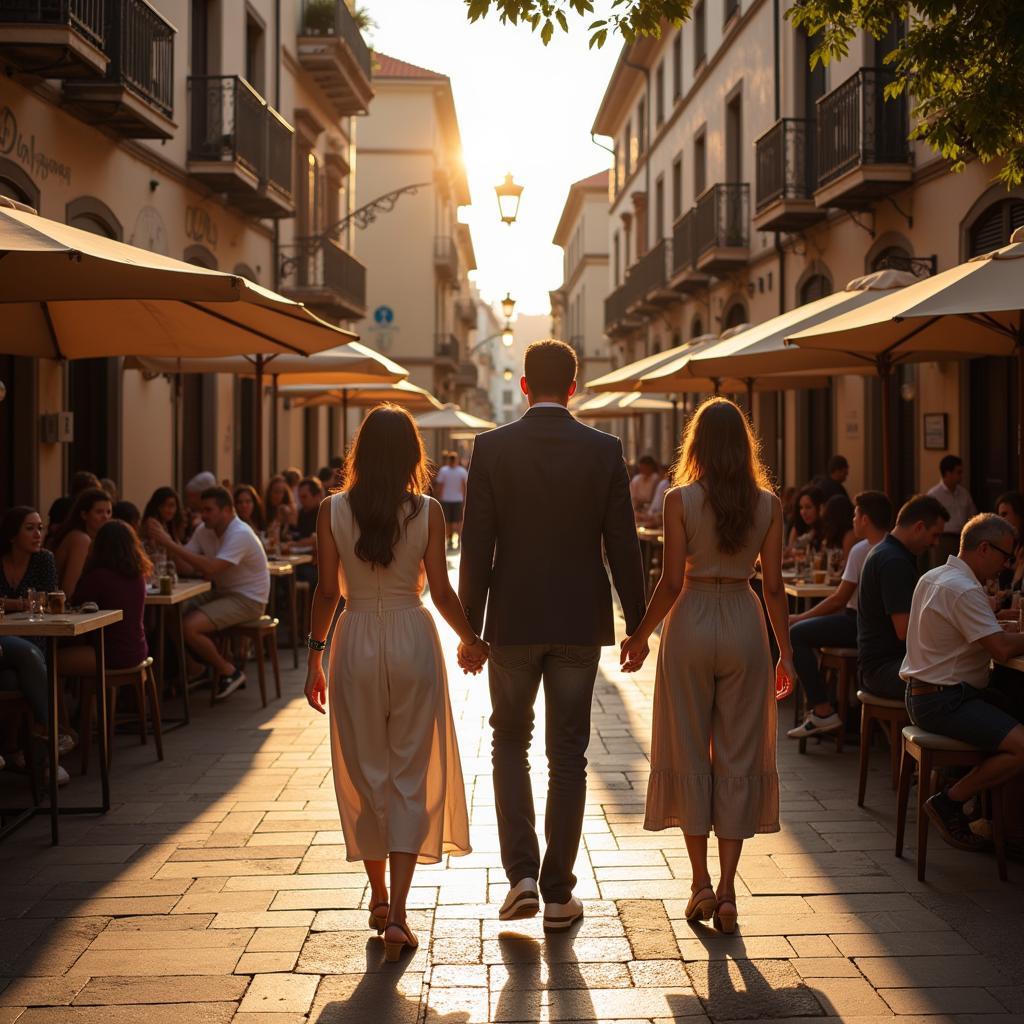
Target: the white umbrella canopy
(336, 367)
(631, 376)
(610, 405)
(971, 310)
(70, 294)
(451, 417)
(403, 393)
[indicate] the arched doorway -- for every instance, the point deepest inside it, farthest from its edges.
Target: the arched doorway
(197, 402)
(19, 420)
(992, 381)
(94, 385)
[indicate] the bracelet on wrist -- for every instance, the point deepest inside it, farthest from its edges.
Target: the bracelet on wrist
(315, 645)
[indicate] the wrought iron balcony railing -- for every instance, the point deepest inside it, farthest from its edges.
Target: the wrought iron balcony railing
(140, 45)
(314, 263)
(785, 162)
(723, 218)
(684, 243)
(86, 17)
(858, 126)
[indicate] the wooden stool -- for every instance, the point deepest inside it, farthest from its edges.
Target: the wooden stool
(932, 751)
(841, 664)
(263, 634)
(13, 705)
(142, 679)
(304, 596)
(892, 716)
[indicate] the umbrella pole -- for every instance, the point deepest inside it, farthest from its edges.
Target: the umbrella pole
(885, 372)
(750, 398)
(1020, 405)
(274, 455)
(717, 381)
(344, 423)
(675, 423)
(258, 446)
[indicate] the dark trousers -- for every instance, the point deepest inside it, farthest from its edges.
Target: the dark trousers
(839, 630)
(568, 673)
(884, 680)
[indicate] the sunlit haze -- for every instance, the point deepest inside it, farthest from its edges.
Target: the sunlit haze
(522, 107)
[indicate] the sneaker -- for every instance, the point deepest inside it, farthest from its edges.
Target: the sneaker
(227, 685)
(62, 776)
(522, 901)
(65, 743)
(814, 724)
(560, 916)
(948, 817)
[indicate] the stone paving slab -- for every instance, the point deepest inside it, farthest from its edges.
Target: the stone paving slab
(217, 890)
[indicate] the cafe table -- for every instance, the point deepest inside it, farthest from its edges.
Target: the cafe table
(54, 628)
(803, 591)
(650, 538)
(182, 591)
(283, 567)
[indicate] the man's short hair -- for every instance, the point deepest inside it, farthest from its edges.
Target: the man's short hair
(877, 507)
(922, 508)
(948, 463)
(550, 367)
(201, 481)
(221, 495)
(648, 460)
(985, 526)
(311, 482)
(836, 463)
(325, 473)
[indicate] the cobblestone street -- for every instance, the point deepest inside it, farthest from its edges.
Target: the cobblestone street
(217, 890)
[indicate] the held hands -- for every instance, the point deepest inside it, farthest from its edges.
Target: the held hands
(472, 657)
(785, 674)
(316, 688)
(633, 653)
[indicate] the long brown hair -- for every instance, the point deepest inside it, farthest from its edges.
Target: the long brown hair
(721, 452)
(386, 470)
(116, 546)
(83, 504)
(258, 523)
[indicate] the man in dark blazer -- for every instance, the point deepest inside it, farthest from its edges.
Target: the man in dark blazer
(544, 494)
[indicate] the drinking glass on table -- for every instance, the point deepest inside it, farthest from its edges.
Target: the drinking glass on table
(34, 604)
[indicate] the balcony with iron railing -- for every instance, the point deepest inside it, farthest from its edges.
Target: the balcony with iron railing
(617, 316)
(646, 284)
(685, 277)
(786, 177)
(722, 227)
(863, 151)
(446, 348)
(240, 145)
(135, 97)
(63, 38)
(332, 49)
(331, 281)
(446, 257)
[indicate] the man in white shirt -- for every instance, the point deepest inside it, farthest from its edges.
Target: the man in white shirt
(644, 483)
(833, 622)
(951, 635)
(450, 490)
(227, 552)
(957, 501)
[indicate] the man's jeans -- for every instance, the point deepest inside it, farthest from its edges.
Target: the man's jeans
(838, 630)
(568, 673)
(23, 669)
(884, 680)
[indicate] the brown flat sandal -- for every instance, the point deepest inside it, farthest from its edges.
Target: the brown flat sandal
(393, 950)
(379, 917)
(702, 904)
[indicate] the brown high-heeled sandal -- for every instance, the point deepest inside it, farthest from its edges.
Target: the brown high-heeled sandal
(379, 917)
(726, 915)
(393, 950)
(702, 904)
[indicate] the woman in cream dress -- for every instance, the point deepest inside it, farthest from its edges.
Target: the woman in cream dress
(713, 733)
(397, 774)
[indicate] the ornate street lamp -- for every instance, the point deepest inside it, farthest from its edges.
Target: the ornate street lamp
(508, 193)
(508, 305)
(507, 374)
(506, 335)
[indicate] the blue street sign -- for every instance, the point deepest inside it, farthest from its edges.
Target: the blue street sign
(383, 315)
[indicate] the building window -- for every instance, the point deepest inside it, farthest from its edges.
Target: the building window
(734, 139)
(696, 328)
(617, 265)
(641, 126)
(815, 287)
(700, 163)
(254, 54)
(700, 34)
(506, 397)
(627, 145)
(732, 8)
(659, 209)
(677, 188)
(677, 66)
(993, 228)
(659, 95)
(735, 315)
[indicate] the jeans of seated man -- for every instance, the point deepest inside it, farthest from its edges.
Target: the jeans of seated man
(23, 668)
(839, 630)
(884, 680)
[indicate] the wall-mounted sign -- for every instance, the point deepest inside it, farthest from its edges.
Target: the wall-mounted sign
(384, 316)
(935, 439)
(149, 231)
(200, 226)
(15, 144)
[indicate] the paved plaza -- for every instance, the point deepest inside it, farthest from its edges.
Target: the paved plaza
(217, 890)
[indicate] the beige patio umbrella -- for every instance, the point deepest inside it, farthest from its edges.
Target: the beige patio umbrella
(971, 310)
(629, 377)
(451, 417)
(70, 294)
(610, 405)
(403, 393)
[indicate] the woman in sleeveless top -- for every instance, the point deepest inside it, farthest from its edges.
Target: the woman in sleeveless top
(397, 774)
(713, 742)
